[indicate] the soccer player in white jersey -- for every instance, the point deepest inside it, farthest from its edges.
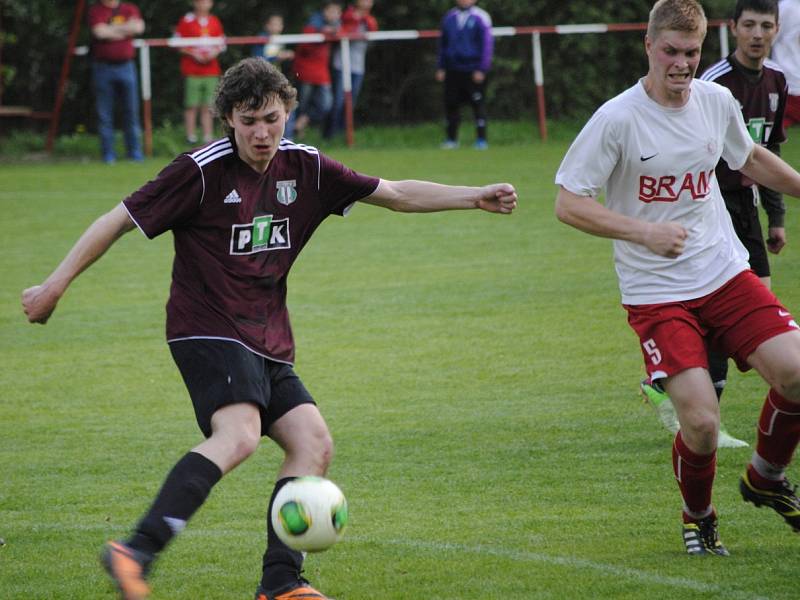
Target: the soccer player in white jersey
(760, 88)
(240, 210)
(683, 273)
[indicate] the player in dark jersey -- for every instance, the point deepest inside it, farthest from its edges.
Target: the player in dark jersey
(760, 87)
(240, 210)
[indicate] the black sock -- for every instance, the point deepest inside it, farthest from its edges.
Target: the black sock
(282, 565)
(185, 489)
(481, 129)
(718, 370)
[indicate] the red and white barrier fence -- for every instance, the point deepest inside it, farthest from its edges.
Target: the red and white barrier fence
(344, 40)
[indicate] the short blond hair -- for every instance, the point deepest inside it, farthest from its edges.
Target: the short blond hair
(677, 15)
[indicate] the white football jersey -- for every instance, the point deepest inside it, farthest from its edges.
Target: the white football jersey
(786, 49)
(657, 164)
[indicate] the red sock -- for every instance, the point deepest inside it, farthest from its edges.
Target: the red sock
(695, 475)
(778, 435)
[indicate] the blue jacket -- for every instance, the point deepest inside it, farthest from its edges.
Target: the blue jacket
(466, 43)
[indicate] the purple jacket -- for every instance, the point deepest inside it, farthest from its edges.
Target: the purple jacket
(466, 43)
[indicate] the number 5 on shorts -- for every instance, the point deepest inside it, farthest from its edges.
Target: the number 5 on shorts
(652, 351)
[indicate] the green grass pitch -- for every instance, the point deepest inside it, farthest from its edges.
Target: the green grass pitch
(476, 371)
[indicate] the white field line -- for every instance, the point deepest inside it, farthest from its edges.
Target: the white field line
(580, 563)
(647, 577)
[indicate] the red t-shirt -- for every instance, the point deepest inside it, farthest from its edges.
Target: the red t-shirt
(112, 50)
(237, 234)
(191, 26)
(311, 61)
(353, 22)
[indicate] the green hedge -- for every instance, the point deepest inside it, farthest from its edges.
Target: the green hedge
(581, 70)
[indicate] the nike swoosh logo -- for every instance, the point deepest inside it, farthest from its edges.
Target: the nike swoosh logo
(644, 158)
(783, 313)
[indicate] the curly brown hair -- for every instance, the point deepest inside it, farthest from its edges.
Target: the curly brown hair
(248, 85)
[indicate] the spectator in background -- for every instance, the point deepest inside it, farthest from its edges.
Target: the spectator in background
(273, 52)
(277, 54)
(465, 56)
(356, 19)
(200, 68)
(311, 65)
(113, 25)
(786, 52)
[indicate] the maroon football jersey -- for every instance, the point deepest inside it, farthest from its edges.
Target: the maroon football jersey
(237, 234)
(762, 96)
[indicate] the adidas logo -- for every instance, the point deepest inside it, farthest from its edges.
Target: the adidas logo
(233, 198)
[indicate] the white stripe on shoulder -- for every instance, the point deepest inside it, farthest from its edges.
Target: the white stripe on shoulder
(717, 70)
(210, 153)
(483, 15)
(213, 151)
(290, 145)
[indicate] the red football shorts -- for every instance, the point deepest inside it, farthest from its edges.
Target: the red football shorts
(791, 114)
(733, 320)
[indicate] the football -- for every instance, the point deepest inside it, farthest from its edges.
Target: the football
(309, 514)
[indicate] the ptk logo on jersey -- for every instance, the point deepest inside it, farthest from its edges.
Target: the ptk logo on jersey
(262, 235)
(760, 129)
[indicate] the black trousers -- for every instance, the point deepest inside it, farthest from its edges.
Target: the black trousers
(459, 89)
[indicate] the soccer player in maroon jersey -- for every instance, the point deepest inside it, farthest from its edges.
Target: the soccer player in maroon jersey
(240, 210)
(760, 87)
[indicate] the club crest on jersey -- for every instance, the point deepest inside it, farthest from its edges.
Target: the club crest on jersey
(286, 191)
(773, 101)
(262, 235)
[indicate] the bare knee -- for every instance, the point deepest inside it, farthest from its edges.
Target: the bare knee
(700, 432)
(788, 385)
(309, 453)
(778, 362)
(244, 445)
(327, 452)
(320, 450)
(235, 435)
(228, 450)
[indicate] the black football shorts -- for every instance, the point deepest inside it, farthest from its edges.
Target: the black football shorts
(744, 215)
(218, 373)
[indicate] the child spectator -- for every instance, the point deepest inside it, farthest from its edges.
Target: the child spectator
(465, 56)
(200, 68)
(274, 52)
(356, 19)
(311, 68)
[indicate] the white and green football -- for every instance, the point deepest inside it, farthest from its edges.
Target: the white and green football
(309, 514)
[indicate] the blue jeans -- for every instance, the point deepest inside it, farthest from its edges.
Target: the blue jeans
(315, 101)
(335, 122)
(289, 131)
(111, 82)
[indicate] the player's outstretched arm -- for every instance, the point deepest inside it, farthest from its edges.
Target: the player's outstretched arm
(39, 301)
(767, 169)
(588, 215)
(425, 196)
